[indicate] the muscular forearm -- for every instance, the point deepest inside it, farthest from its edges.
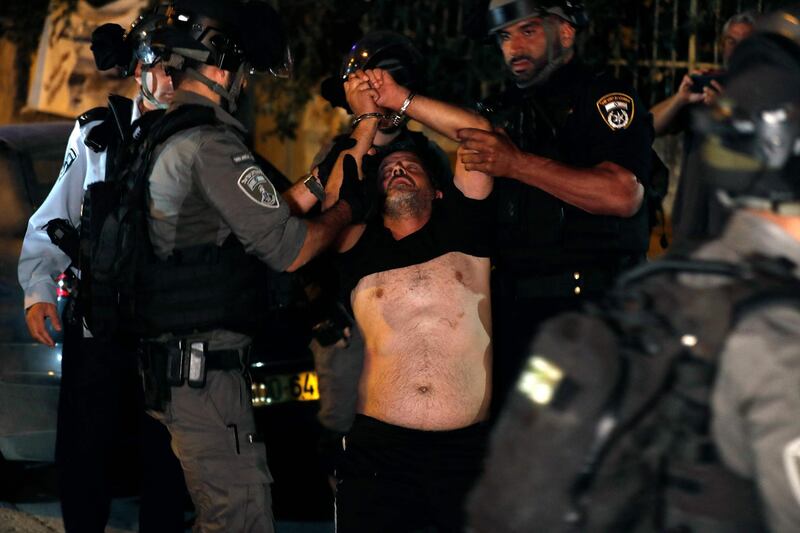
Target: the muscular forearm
(321, 233)
(605, 189)
(442, 117)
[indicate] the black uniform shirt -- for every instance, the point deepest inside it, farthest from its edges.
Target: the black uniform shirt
(581, 119)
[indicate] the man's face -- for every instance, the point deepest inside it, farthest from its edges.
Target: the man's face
(158, 82)
(405, 183)
(524, 47)
(737, 32)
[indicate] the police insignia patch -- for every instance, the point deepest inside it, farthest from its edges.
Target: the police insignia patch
(617, 110)
(68, 160)
(258, 188)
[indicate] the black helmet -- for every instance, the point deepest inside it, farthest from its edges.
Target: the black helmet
(225, 34)
(751, 150)
(113, 47)
(379, 49)
(387, 50)
(504, 12)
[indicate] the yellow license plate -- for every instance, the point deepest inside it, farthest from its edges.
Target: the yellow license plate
(300, 387)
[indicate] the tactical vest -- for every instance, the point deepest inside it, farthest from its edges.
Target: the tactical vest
(608, 428)
(537, 232)
(134, 293)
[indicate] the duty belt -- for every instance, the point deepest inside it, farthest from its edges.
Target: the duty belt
(215, 359)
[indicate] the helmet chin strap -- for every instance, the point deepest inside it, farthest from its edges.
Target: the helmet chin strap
(229, 96)
(556, 57)
(144, 89)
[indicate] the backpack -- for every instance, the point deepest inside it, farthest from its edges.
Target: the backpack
(608, 429)
(114, 232)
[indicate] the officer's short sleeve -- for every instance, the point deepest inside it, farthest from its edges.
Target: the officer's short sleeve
(227, 175)
(619, 128)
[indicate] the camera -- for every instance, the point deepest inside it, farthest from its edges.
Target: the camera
(701, 81)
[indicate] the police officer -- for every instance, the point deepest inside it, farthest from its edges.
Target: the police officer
(99, 400)
(575, 159)
(755, 393)
(713, 439)
(214, 220)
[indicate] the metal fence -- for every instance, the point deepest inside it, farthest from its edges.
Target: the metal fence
(661, 40)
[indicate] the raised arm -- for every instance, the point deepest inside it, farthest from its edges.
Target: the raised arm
(665, 111)
(442, 117)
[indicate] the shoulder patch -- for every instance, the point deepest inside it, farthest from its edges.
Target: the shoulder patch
(69, 158)
(246, 157)
(98, 113)
(256, 186)
(617, 110)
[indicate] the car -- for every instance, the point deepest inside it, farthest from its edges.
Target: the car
(30, 158)
(284, 384)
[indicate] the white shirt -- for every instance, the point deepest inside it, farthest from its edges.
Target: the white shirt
(41, 261)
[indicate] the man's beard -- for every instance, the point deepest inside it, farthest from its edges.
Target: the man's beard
(555, 57)
(537, 65)
(407, 203)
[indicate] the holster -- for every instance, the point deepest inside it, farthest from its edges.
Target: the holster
(153, 358)
(172, 364)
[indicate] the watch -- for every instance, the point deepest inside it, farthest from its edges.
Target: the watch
(313, 184)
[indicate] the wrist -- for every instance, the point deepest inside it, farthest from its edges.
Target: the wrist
(400, 114)
(371, 118)
(397, 101)
(315, 187)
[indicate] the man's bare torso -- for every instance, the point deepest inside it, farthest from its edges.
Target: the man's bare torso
(427, 331)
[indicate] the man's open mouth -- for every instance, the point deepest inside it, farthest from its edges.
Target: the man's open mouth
(405, 180)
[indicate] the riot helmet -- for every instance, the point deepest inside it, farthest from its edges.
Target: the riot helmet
(504, 12)
(525, 59)
(240, 37)
(387, 50)
(750, 150)
(113, 47)
(390, 51)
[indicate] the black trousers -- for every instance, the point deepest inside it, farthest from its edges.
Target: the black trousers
(105, 442)
(399, 480)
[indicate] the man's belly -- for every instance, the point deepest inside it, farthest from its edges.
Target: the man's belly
(427, 330)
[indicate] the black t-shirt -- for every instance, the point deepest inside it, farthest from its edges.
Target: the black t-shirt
(457, 224)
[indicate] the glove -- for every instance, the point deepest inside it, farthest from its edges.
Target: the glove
(325, 166)
(354, 191)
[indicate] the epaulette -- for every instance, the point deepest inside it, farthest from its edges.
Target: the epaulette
(98, 113)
